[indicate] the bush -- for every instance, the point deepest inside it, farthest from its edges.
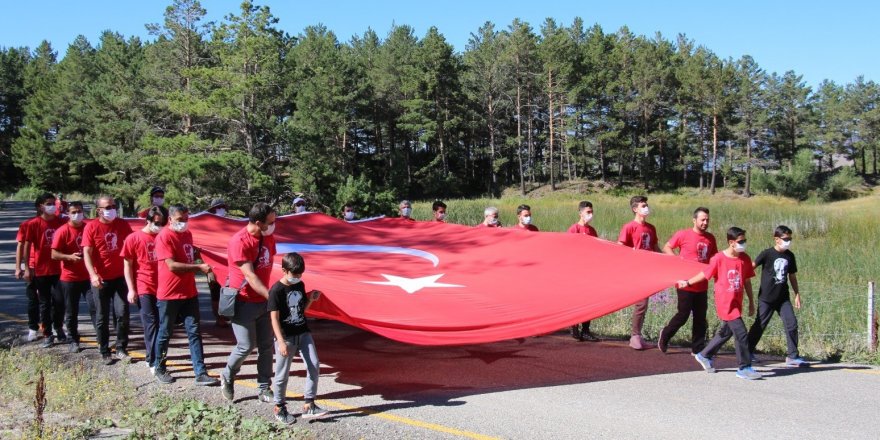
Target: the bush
(844, 184)
(367, 201)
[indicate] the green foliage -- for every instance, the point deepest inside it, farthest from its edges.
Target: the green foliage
(843, 184)
(367, 200)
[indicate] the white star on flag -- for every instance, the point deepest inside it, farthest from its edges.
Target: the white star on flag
(412, 285)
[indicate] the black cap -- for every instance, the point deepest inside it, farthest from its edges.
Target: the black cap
(157, 189)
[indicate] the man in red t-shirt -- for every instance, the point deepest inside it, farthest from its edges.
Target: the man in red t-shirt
(102, 246)
(439, 210)
(581, 332)
(24, 270)
(639, 234)
(177, 295)
(732, 270)
(74, 283)
(695, 244)
(47, 271)
(157, 198)
(524, 219)
(249, 261)
(490, 218)
(141, 276)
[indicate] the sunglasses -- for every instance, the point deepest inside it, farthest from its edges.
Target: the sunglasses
(743, 241)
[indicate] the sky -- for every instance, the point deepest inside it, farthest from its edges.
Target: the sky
(819, 40)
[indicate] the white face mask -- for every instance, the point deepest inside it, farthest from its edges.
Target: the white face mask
(646, 211)
(740, 247)
(154, 228)
(441, 216)
(406, 212)
(527, 220)
(587, 217)
(77, 218)
(158, 201)
(493, 221)
(784, 245)
(293, 280)
(349, 215)
(221, 212)
(49, 209)
(108, 214)
(299, 208)
(178, 226)
(270, 230)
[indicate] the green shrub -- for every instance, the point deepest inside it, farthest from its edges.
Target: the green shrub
(844, 184)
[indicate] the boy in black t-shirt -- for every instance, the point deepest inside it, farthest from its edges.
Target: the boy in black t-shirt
(778, 268)
(288, 303)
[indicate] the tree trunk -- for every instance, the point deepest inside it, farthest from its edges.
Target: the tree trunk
(714, 151)
(748, 187)
(491, 127)
(550, 108)
(522, 181)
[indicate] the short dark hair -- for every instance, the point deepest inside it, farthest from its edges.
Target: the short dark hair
(293, 263)
(175, 208)
(42, 199)
(782, 230)
(523, 207)
(437, 205)
(161, 211)
(699, 210)
(735, 232)
(584, 204)
(260, 212)
(348, 205)
(77, 204)
(633, 202)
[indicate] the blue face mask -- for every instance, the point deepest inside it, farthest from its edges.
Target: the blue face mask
(293, 280)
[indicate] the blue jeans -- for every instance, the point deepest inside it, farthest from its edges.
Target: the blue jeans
(150, 321)
(168, 312)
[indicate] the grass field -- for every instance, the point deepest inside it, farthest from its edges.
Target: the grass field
(835, 244)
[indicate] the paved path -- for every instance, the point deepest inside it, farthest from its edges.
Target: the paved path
(548, 387)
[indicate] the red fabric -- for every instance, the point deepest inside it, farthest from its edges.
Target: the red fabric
(495, 275)
(19, 237)
(68, 241)
(140, 249)
(177, 246)
(40, 233)
(106, 240)
(638, 235)
(729, 274)
(585, 229)
(242, 249)
(694, 246)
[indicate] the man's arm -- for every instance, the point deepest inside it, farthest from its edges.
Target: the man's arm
(247, 269)
(177, 267)
(130, 280)
(19, 272)
(26, 256)
(61, 256)
(667, 249)
(90, 266)
(748, 287)
(792, 277)
(275, 317)
(698, 278)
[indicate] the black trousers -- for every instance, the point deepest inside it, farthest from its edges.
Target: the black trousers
(737, 329)
(73, 291)
(51, 304)
(33, 304)
(113, 292)
(695, 303)
(789, 320)
(150, 320)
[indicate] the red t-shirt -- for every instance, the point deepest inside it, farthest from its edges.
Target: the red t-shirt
(522, 227)
(68, 241)
(694, 246)
(729, 274)
(177, 246)
(638, 235)
(483, 225)
(22, 230)
(106, 241)
(140, 249)
(243, 248)
(40, 233)
(585, 229)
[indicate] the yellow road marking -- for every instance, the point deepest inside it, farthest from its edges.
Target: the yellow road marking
(853, 370)
(184, 366)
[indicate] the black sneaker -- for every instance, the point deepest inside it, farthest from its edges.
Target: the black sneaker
(123, 356)
(266, 395)
(283, 416)
(590, 337)
(662, 344)
(107, 359)
(227, 389)
(73, 347)
(312, 411)
(205, 380)
(50, 341)
(163, 377)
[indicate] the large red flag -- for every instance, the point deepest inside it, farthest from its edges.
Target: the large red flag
(431, 283)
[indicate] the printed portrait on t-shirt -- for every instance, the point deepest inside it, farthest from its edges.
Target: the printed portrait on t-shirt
(702, 252)
(190, 253)
(734, 279)
(780, 266)
(79, 242)
(111, 240)
(265, 260)
(646, 240)
(48, 236)
(151, 251)
(293, 301)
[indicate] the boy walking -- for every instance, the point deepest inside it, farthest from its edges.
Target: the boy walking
(288, 302)
(778, 268)
(639, 234)
(731, 269)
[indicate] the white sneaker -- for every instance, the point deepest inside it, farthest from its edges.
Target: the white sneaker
(32, 336)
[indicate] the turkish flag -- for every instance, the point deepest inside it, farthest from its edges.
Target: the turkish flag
(432, 283)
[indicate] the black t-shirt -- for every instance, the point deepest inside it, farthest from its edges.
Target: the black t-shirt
(775, 267)
(290, 302)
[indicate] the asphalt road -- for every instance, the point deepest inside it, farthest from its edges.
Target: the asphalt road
(543, 387)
